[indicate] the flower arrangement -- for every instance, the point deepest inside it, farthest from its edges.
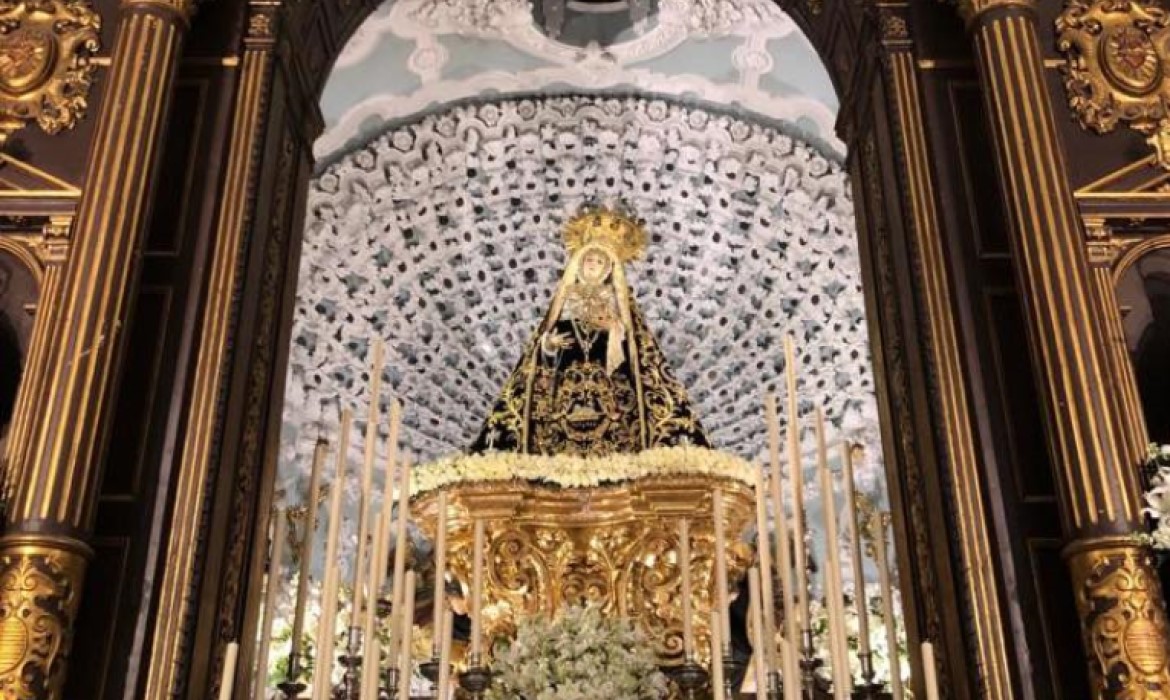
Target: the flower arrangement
(1158, 496)
(580, 472)
(578, 655)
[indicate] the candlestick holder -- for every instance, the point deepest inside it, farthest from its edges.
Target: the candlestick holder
(775, 688)
(867, 689)
(291, 687)
(809, 663)
(690, 678)
(733, 668)
(390, 683)
(430, 669)
(477, 678)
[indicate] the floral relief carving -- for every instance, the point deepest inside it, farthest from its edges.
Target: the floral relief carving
(1115, 67)
(45, 67)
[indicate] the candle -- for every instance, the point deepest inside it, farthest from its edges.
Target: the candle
(400, 547)
(477, 594)
(227, 682)
(930, 671)
(879, 542)
(326, 621)
(794, 463)
(440, 570)
(406, 667)
(359, 565)
(721, 567)
(783, 558)
(759, 640)
(792, 680)
(371, 650)
(388, 486)
(857, 551)
(767, 601)
(684, 566)
(834, 601)
(717, 656)
(310, 532)
(279, 534)
(444, 690)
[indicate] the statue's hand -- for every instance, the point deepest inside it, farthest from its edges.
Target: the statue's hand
(554, 342)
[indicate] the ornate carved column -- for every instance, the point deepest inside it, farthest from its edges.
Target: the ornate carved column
(926, 240)
(43, 555)
(1121, 608)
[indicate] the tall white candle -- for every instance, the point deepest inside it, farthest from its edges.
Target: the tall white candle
(400, 547)
(326, 621)
(371, 649)
(797, 468)
(684, 566)
(721, 566)
(406, 663)
(891, 625)
(391, 482)
(440, 569)
(857, 551)
(717, 656)
(306, 554)
(372, 419)
(792, 680)
(761, 643)
(842, 681)
(279, 530)
(763, 546)
(930, 671)
(444, 688)
(783, 559)
(477, 591)
(227, 681)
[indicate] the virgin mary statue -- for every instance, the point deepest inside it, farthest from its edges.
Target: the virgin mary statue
(592, 380)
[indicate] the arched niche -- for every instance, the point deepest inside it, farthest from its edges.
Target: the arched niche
(19, 290)
(1143, 291)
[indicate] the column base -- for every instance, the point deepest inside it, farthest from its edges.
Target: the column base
(1123, 618)
(40, 591)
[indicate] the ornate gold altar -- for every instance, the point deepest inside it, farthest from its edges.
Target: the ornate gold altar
(612, 545)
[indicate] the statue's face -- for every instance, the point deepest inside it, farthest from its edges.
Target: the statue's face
(594, 267)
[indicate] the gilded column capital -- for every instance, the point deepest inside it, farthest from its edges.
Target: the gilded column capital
(973, 10)
(181, 10)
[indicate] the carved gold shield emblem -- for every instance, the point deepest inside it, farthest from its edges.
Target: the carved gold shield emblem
(27, 56)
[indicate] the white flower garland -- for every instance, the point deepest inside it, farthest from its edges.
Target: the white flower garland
(580, 472)
(1158, 497)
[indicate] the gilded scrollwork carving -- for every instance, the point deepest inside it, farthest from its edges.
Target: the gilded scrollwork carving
(1124, 619)
(615, 547)
(45, 67)
(39, 595)
(1115, 67)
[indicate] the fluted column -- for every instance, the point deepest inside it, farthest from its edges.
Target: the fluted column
(1102, 254)
(43, 555)
(958, 436)
(1122, 612)
(54, 247)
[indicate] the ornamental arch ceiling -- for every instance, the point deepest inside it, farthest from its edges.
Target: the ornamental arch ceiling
(459, 136)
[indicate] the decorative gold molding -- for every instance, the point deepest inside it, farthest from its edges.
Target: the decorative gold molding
(971, 10)
(1123, 615)
(613, 546)
(40, 590)
(1116, 67)
(45, 71)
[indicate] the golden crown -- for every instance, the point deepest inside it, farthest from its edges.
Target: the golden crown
(619, 233)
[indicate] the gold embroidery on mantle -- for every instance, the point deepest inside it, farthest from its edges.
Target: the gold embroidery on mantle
(45, 67)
